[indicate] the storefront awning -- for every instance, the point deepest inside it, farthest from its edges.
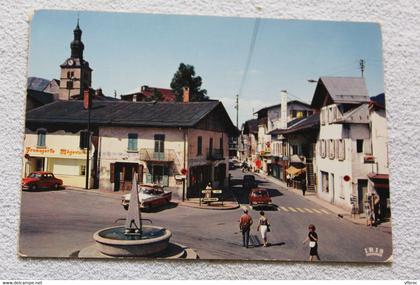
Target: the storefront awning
(295, 171)
(380, 181)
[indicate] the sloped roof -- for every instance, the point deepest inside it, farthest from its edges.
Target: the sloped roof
(341, 90)
(288, 103)
(37, 83)
(251, 126)
(40, 97)
(147, 91)
(378, 101)
(124, 113)
(298, 125)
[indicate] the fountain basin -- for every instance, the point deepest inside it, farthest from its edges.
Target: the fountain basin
(113, 241)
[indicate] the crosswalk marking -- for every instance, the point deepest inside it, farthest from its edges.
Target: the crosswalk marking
(303, 210)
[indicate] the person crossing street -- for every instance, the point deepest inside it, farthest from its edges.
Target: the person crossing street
(245, 223)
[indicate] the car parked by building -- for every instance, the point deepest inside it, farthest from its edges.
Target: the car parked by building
(259, 197)
(150, 196)
(41, 180)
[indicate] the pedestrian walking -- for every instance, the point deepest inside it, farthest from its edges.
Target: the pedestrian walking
(263, 228)
(245, 223)
(313, 242)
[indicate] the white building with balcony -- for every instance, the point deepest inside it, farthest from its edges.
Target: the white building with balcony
(344, 146)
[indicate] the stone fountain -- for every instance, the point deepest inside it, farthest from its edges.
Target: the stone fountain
(133, 239)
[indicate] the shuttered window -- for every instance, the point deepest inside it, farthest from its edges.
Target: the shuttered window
(341, 150)
(331, 149)
(322, 148)
(367, 146)
(199, 145)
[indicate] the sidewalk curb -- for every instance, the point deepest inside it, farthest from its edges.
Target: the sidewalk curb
(197, 206)
(340, 213)
(111, 195)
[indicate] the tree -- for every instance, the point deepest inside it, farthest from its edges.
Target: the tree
(185, 76)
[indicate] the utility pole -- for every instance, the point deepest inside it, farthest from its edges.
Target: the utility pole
(362, 65)
(237, 111)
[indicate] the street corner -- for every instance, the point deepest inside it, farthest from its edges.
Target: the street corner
(195, 203)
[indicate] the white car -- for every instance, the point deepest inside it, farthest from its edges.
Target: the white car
(149, 196)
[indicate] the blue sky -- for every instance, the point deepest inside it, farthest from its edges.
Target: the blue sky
(129, 50)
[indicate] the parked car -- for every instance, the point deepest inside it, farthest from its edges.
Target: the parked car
(149, 196)
(248, 182)
(260, 197)
(41, 180)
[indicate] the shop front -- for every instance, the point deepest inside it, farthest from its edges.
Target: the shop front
(122, 173)
(379, 185)
(66, 164)
(278, 167)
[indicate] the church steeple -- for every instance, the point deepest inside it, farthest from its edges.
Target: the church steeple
(76, 45)
(76, 75)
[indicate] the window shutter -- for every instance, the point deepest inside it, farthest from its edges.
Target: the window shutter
(111, 172)
(341, 150)
(336, 148)
(331, 149)
(140, 176)
(323, 147)
(367, 146)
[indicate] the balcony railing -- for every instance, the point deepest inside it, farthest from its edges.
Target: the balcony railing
(215, 154)
(149, 154)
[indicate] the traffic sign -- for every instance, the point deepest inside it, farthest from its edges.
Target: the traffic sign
(210, 199)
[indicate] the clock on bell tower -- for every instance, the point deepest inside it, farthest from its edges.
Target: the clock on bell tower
(76, 75)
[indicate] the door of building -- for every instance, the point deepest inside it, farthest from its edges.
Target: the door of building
(362, 188)
(123, 175)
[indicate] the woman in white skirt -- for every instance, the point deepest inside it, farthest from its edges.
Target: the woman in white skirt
(263, 227)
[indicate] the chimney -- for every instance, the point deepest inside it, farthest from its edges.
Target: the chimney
(87, 99)
(98, 92)
(186, 94)
(283, 110)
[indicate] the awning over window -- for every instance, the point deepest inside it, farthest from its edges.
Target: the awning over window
(380, 181)
(295, 171)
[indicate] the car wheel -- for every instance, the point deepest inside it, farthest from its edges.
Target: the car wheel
(56, 186)
(33, 187)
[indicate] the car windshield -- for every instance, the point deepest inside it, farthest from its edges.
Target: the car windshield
(149, 191)
(260, 193)
(34, 175)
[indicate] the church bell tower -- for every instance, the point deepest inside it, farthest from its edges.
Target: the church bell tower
(76, 75)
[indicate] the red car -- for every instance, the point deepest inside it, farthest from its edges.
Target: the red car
(260, 197)
(41, 179)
